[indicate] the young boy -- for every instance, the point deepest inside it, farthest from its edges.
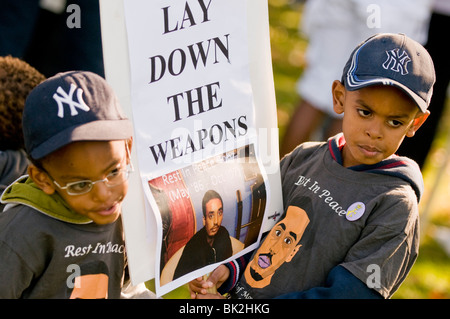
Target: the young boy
(60, 232)
(17, 79)
(351, 227)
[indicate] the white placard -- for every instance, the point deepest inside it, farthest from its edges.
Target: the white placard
(196, 78)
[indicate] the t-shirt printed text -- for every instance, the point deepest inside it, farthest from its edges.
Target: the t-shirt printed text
(108, 248)
(324, 194)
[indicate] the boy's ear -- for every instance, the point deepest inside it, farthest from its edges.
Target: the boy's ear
(338, 92)
(129, 145)
(41, 179)
(418, 121)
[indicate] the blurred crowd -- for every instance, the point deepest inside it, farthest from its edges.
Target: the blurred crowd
(333, 28)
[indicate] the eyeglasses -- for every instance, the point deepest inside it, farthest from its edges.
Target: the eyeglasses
(85, 186)
(115, 178)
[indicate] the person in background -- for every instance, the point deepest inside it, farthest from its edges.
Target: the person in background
(53, 35)
(17, 79)
(418, 147)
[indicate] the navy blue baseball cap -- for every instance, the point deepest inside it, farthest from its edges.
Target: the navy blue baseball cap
(392, 59)
(69, 107)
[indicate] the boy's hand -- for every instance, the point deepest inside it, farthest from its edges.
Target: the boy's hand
(203, 287)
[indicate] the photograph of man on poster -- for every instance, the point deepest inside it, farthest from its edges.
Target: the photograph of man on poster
(210, 244)
(210, 211)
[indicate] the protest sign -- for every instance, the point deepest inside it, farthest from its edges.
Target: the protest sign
(198, 85)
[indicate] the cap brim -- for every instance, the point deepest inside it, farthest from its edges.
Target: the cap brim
(421, 104)
(103, 130)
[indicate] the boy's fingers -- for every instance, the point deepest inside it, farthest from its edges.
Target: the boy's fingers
(196, 286)
(212, 280)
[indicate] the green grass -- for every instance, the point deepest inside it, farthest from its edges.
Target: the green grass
(430, 276)
(288, 60)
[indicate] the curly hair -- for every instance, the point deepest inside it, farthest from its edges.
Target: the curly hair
(17, 79)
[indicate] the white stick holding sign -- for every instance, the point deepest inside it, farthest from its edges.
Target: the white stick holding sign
(199, 70)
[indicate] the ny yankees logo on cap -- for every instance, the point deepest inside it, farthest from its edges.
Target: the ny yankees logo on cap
(68, 99)
(398, 63)
(392, 59)
(88, 110)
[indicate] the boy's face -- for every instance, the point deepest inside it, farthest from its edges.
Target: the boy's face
(87, 160)
(376, 120)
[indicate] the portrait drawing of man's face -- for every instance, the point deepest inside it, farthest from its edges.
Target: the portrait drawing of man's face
(280, 246)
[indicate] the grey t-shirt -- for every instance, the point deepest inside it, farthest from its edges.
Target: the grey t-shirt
(41, 257)
(364, 219)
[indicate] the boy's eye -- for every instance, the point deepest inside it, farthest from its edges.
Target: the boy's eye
(114, 172)
(395, 123)
(364, 113)
(80, 186)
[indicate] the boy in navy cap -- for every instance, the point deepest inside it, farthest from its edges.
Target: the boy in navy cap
(65, 215)
(356, 201)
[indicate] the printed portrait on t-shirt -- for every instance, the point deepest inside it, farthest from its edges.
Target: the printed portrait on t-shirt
(279, 247)
(92, 283)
